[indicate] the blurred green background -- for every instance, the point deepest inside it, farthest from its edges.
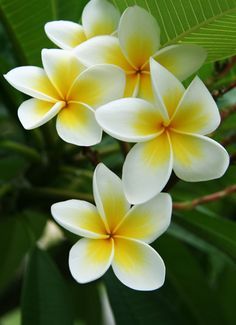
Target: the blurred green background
(38, 169)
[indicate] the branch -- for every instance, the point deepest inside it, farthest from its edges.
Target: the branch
(188, 205)
(216, 93)
(227, 112)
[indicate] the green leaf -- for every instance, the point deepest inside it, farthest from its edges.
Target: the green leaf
(45, 298)
(14, 243)
(210, 24)
(17, 235)
(187, 276)
(213, 229)
(25, 22)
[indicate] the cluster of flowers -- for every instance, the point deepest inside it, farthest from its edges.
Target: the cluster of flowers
(111, 75)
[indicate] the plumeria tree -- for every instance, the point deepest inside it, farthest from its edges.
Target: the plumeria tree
(117, 162)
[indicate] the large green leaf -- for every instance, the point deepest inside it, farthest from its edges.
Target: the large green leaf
(17, 234)
(45, 298)
(211, 23)
(25, 22)
(215, 230)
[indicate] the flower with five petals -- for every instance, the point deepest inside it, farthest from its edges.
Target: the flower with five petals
(67, 89)
(171, 134)
(115, 234)
(138, 40)
(99, 17)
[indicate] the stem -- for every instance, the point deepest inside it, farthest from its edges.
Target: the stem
(221, 92)
(56, 194)
(21, 149)
(188, 205)
(227, 112)
(229, 140)
(76, 171)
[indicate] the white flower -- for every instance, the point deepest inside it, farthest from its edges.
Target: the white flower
(138, 40)
(99, 17)
(171, 134)
(115, 234)
(67, 89)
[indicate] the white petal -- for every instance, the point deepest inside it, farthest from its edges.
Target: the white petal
(80, 218)
(65, 34)
(167, 89)
(139, 35)
(76, 124)
(62, 68)
(147, 221)
(109, 196)
(89, 259)
(197, 111)
(138, 265)
(100, 18)
(198, 158)
(33, 113)
(147, 169)
(102, 49)
(182, 60)
(32, 81)
(98, 85)
(130, 119)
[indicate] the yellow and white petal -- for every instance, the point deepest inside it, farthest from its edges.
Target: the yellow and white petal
(76, 124)
(145, 90)
(32, 81)
(147, 169)
(130, 119)
(102, 49)
(198, 158)
(138, 265)
(139, 35)
(147, 221)
(182, 60)
(33, 112)
(109, 196)
(197, 111)
(167, 89)
(98, 85)
(65, 34)
(132, 85)
(62, 68)
(89, 259)
(100, 17)
(80, 218)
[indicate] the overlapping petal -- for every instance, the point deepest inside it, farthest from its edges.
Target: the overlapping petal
(98, 85)
(32, 81)
(130, 119)
(167, 89)
(198, 158)
(80, 218)
(147, 221)
(100, 17)
(89, 259)
(138, 265)
(76, 124)
(109, 196)
(182, 59)
(102, 49)
(197, 111)
(62, 68)
(147, 169)
(139, 35)
(65, 34)
(33, 112)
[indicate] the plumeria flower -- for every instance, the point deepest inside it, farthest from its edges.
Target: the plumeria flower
(171, 134)
(115, 234)
(99, 17)
(138, 40)
(67, 89)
